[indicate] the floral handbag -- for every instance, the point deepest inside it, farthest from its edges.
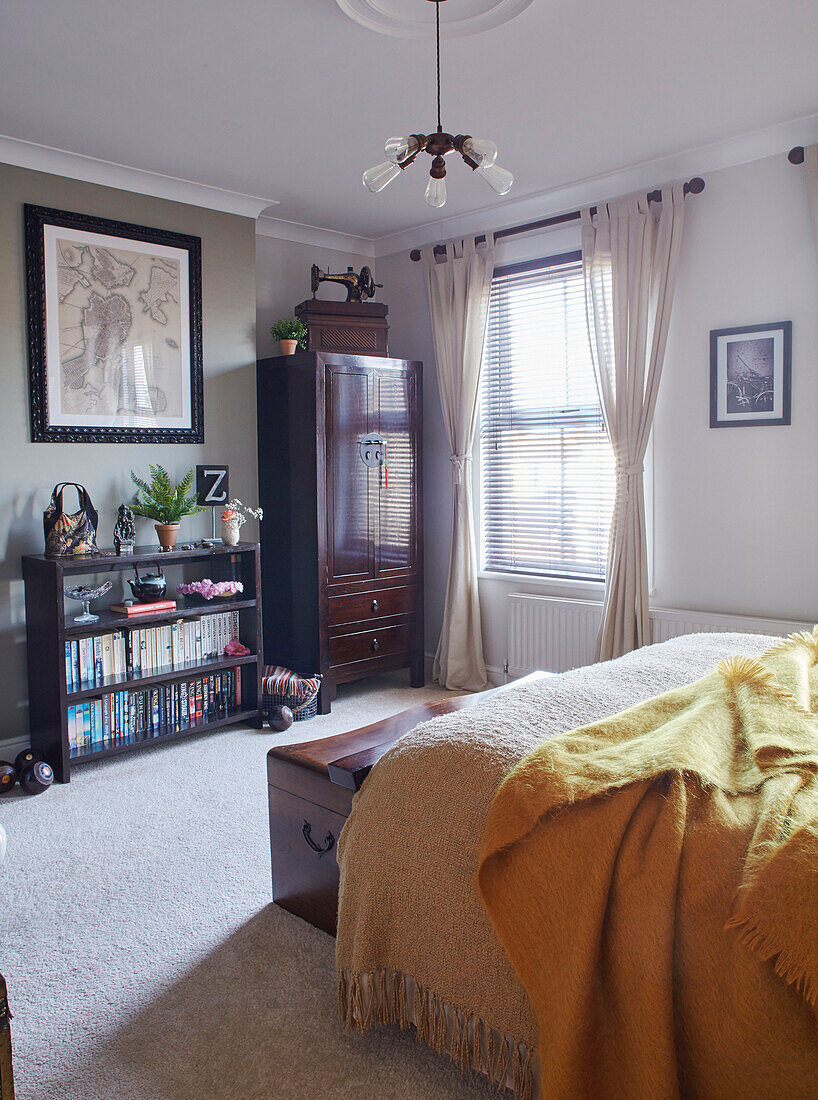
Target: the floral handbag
(68, 535)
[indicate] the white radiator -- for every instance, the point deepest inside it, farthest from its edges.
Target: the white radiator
(555, 634)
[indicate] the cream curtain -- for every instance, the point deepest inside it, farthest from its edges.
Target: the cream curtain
(458, 288)
(630, 254)
(811, 178)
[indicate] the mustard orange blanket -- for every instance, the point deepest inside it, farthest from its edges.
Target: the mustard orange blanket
(653, 879)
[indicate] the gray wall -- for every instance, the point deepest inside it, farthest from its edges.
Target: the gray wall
(30, 470)
(283, 281)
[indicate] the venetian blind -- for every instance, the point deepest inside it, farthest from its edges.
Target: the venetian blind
(546, 466)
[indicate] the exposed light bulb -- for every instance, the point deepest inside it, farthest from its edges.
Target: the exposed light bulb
(436, 191)
(399, 148)
(499, 179)
(375, 179)
(482, 152)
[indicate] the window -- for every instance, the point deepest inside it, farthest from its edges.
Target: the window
(546, 466)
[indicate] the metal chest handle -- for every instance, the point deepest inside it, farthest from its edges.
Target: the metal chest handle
(329, 840)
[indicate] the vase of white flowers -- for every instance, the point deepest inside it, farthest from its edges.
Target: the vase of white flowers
(233, 517)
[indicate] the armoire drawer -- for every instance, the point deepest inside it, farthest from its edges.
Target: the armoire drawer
(377, 641)
(379, 604)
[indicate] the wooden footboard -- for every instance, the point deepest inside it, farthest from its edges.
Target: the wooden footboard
(310, 788)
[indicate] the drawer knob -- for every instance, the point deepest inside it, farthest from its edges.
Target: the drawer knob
(374, 605)
(329, 840)
(375, 645)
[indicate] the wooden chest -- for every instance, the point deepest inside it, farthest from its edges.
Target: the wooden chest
(354, 328)
(310, 788)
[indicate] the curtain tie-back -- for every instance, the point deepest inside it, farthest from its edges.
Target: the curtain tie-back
(631, 471)
(624, 473)
(459, 466)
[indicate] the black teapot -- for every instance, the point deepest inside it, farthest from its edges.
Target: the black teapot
(148, 588)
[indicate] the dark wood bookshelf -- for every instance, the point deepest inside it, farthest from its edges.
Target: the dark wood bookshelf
(48, 628)
(109, 621)
(157, 676)
(234, 715)
(142, 555)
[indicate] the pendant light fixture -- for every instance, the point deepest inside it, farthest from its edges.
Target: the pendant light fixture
(480, 155)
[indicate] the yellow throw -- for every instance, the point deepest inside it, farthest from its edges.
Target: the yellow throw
(653, 879)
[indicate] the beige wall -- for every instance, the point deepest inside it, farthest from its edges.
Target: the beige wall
(30, 470)
(283, 281)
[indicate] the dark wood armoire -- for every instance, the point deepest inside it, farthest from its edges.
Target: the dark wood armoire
(340, 482)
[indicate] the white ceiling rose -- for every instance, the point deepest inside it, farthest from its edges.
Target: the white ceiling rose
(416, 18)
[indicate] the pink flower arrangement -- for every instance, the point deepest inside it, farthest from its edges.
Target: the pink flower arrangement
(209, 589)
(234, 648)
(237, 513)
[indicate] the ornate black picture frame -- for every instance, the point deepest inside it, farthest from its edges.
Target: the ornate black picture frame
(751, 375)
(114, 331)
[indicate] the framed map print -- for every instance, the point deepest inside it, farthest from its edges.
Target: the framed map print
(750, 375)
(115, 331)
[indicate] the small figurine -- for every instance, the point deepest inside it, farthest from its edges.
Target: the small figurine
(124, 531)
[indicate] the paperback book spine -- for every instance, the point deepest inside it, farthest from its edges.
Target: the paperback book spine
(70, 718)
(83, 663)
(97, 643)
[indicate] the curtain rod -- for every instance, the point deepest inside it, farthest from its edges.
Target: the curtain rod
(796, 155)
(692, 187)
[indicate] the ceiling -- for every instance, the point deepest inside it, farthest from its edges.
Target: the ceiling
(291, 99)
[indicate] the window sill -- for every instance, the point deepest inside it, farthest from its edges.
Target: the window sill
(548, 586)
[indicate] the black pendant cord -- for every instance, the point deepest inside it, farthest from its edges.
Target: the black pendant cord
(437, 36)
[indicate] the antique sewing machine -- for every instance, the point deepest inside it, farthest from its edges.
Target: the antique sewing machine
(359, 287)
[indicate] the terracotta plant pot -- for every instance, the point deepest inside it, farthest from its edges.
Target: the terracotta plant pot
(167, 533)
(288, 346)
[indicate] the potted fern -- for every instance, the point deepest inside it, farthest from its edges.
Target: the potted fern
(290, 333)
(160, 501)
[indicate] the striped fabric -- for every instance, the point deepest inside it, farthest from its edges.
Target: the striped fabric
(277, 680)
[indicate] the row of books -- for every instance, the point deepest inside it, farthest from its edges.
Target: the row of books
(93, 661)
(126, 717)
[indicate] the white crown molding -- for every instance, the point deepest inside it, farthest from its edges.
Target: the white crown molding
(77, 166)
(649, 174)
(314, 235)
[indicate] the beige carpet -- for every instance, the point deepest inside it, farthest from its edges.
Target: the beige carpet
(143, 956)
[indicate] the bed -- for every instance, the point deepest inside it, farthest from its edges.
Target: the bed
(415, 945)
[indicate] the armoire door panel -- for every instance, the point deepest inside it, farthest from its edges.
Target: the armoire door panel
(395, 516)
(349, 481)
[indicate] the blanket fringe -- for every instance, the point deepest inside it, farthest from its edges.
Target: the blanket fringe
(380, 997)
(807, 639)
(747, 669)
(792, 970)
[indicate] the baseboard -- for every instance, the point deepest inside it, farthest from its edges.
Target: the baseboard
(496, 675)
(9, 749)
